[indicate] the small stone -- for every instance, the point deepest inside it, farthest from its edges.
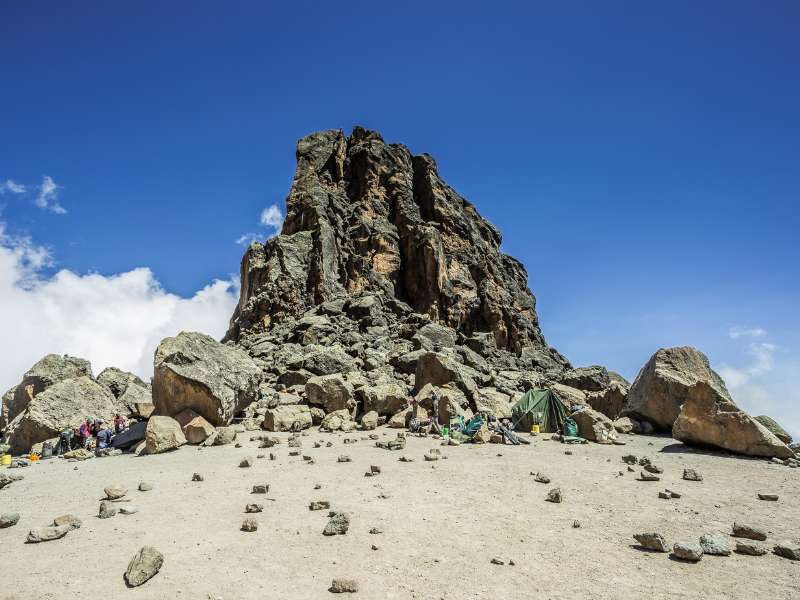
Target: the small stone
(273, 456)
(576, 524)
(673, 494)
(374, 547)
(338, 525)
(406, 459)
(319, 505)
(261, 489)
(144, 486)
(652, 541)
(143, 566)
(8, 519)
(746, 531)
(788, 550)
(197, 477)
(128, 509)
(715, 544)
(645, 476)
(254, 508)
(376, 531)
(249, 525)
(692, 475)
(555, 496)
(307, 458)
(665, 495)
(116, 491)
(294, 453)
(342, 586)
(107, 510)
(691, 551)
(750, 548)
(651, 468)
(375, 469)
(568, 452)
(343, 458)
(631, 469)
(247, 461)
(630, 459)
(47, 534)
(768, 497)
(317, 486)
(541, 478)
(497, 561)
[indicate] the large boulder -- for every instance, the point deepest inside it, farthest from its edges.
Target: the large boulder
(588, 379)
(594, 426)
(129, 389)
(490, 401)
(439, 370)
(569, 395)
(326, 361)
(708, 418)
(331, 392)
(287, 417)
(609, 401)
(48, 371)
(60, 406)
(778, 431)
(163, 434)
(192, 370)
(131, 436)
(384, 398)
(666, 382)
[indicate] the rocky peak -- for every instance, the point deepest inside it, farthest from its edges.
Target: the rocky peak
(368, 217)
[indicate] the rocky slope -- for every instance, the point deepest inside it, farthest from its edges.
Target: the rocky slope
(368, 219)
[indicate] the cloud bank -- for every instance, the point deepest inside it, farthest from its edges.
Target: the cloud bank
(111, 320)
(271, 218)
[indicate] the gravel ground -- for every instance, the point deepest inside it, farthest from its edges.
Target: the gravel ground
(442, 523)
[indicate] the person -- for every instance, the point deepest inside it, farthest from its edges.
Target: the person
(119, 423)
(104, 436)
(85, 432)
(64, 441)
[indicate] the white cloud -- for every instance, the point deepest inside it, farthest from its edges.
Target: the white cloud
(47, 198)
(12, 187)
(111, 320)
(737, 332)
(272, 217)
(761, 362)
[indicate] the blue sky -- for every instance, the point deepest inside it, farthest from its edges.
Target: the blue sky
(641, 159)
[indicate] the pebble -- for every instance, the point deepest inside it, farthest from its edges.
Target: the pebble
(247, 461)
(8, 519)
(128, 509)
(253, 508)
(144, 486)
(261, 489)
(249, 525)
(497, 561)
(692, 475)
(645, 476)
(343, 458)
(541, 478)
(750, 548)
(197, 477)
(555, 496)
(116, 491)
(107, 510)
(47, 534)
(341, 586)
(715, 544)
(746, 531)
(376, 531)
(652, 541)
(768, 497)
(319, 505)
(338, 524)
(143, 566)
(788, 550)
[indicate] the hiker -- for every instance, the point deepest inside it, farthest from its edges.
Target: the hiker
(65, 441)
(104, 436)
(85, 432)
(119, 423)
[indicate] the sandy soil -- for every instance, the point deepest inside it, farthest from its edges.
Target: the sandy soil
(442, 523)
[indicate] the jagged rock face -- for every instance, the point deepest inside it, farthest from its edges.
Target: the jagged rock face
(367, 216)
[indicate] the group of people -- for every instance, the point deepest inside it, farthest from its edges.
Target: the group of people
(91, 434)
(420, 425)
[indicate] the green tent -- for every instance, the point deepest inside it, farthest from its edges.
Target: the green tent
(539, 406)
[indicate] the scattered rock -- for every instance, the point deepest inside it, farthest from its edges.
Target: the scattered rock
(651, 468)
(645, 476)
(249, 525)
(342, 586)
(630, 459)
(715, 544)
(254, 508)
(145, 486)
(319, 505)
(497, 561)
(555, 496)
(8, 519)
(790, 550)
(197, 477)
(541, 478)
(116, 491)
(652, 541)
(107, 510)
(576, 524)
(70, 520)
(692, 475)
(163, 434)
(747, 531)
(690, 551)
(143, 566)
(128, 509)
(246, 462)
(261, 489)
(343, 458)
(768, 497)
(47, 534)
(376, 531)
(337, 525)
(750, 548)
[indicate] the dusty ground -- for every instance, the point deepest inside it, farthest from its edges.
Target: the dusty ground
(442, 523)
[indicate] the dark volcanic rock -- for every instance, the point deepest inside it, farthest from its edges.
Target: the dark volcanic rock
(372, 237)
